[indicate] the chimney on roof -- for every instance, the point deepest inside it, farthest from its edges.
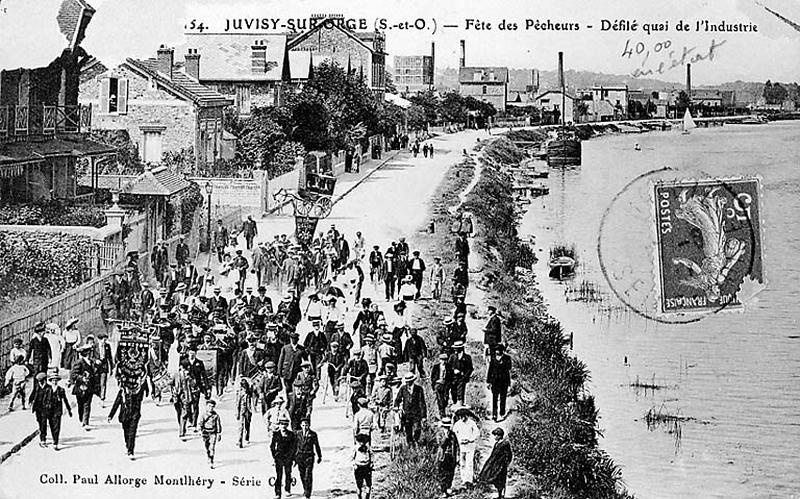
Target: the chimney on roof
(193, 64)
(165, 58)
(462, 61)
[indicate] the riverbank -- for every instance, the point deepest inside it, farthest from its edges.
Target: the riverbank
(553, 422)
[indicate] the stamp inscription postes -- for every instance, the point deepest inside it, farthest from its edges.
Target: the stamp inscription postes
(708, 243)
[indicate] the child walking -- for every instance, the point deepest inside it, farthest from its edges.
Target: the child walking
(211, 429)
(362, 465)
(16, 377)
(244, 411)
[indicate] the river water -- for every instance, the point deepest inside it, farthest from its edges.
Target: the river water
(736, 375)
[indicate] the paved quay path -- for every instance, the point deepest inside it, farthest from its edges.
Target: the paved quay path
(391, 203)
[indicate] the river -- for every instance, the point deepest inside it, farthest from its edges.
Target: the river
(736, 375)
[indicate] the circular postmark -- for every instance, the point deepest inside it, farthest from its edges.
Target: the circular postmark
(675, 250)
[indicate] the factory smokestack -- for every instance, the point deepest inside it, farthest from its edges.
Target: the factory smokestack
(463, 60)
(561, 70)
(689, 81)
(433, 63)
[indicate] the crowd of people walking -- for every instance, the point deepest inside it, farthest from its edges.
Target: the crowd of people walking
(244, 349)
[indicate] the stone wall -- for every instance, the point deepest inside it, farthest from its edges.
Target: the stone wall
(336, 45)
(147, 106)
(495, 93)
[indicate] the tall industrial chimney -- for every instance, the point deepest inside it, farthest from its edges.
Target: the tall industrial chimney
(463, 60)
(689, 81)
(561, 70)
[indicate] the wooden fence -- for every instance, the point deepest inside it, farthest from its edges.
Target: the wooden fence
(81, 302)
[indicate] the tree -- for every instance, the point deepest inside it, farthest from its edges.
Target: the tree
(774, 93)
(453, 108)
(429, 105)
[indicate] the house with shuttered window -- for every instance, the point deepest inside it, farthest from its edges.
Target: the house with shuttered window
(162, 108)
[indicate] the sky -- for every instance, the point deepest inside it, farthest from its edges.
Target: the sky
(135, 28)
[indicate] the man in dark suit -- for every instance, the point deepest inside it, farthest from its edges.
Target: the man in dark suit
(83, 379)
(461, 364)
(39, 356)
(250, 231)
(307, 448)
(283, 448)
(289, 362)
(40, 401)
(389, 274)
(441, 381)
(105, 364)
(220, 239)
(417, 268)
(197, 371)
(270, 386)
(146, 302)
(492, 332)
(57, 400)
(410, 402)
(218, 304)
(498, 377)
(182, 253)
(375, 264)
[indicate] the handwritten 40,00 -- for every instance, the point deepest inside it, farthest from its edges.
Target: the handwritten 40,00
(668, 57)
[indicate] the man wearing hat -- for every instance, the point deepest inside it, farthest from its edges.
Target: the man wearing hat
(381, 400)
(289, 362)
(182, 253)
(467, 432)
(58, 401)
(459, 331)
(462, 247)
(316, 344)
(388, 271)
(39, 354)
(220, 239)
(492, 332)
(251, 358)
(250, 230)
(410, 402)
(461, 364)
(197, 370)
(498, 377)
(283, 448)
(333, 315)
(270, 386)
(275, 413)
(386, 352)
(342, 337)
(171, 279)
(448, 455)
(108, 304)
(442, 382)
(414, 352)
(336, 359)
(307, 448)
(82, 379)
(370, 355)
(375, 264)
(304, 389)
(146, 302)
(218, 304)
(357, 369)
(365, 320)
(437, 278)
(241, 264)
(417, 268)
(260, 263)
(40, 401)
(105, 363)
(263, 303)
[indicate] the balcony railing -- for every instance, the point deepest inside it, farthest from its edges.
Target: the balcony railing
(18, 122)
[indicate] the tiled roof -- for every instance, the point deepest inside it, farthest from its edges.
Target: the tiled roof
(467, 74)
(554, 92)
(157, 182)
(295, 40)
(226, 57)
(16, 152)
(182, 84)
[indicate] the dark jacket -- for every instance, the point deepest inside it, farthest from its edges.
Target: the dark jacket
(415, 347)
(307, 446)
(495, 470)
(492, 333)
(283, 447)
(316, 344)
(39, 398)
(411, 402)
(462, 364)
(289, 362)
(197, 370)
(82, 377)
(499, 373)
(39, 356)
(448, 449)
(441, 378)
(247, 367)
(357, 368)
(57, 402)
(105, 358)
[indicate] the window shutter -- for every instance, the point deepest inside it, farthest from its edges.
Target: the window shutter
(122, 96)
(105, 84)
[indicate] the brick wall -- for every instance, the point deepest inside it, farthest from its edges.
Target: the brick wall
(146, 107)
(337, 45)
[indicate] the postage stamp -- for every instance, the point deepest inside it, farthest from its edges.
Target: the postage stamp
(709, 244)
